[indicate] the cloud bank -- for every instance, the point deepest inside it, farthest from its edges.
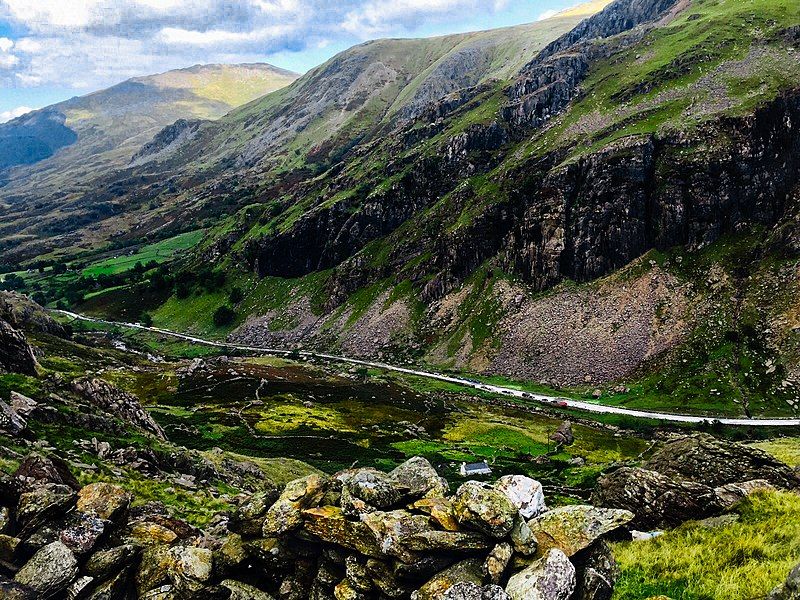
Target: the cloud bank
(94, 43)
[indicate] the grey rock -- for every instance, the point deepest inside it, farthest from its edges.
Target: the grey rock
(790, 589)
(481, 507)
(50, 570)
(657, 500)
(713, 462)
(552, 577)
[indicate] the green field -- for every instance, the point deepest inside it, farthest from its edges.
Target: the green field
(158, 252)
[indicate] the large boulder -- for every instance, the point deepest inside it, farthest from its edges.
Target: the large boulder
(117, 403)
(657, 500)
(526, 494)
(287, 512)
(480, 507)
(713, 462)
(17, 355)
(552, 577)
(50, 570)
(11, 422)
(418, 479)
(573, 528)
(104, 500)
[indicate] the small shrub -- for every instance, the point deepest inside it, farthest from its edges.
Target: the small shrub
(223, 316)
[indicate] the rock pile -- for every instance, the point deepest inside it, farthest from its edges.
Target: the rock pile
(357, 535)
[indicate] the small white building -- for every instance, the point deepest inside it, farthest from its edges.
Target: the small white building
(472, 469)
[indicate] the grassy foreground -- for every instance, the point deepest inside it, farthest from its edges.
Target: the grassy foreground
(741, 561)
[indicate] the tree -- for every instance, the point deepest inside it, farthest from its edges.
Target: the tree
(146, 319)
(236, 295)
(224, 315)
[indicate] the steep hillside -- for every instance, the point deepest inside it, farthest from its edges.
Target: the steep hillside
(676, 135)
(618, 219)
(298, 130)
(49, 157)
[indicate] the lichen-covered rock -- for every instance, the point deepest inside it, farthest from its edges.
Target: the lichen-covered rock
(373, 487)
(657, 500)
(8, 548)
(147, 533)
(480, 507)
(104, 564)
(526, 494)
(448, 541)
(45, 502)
(573, 528)
(466, 571)
(419, 479)
(473, 591)
(243, 591)
(184, 568)
(50, 570)
(714, 462)
(552, 577)
(248, 520)
(287, 512)
(522, 538)
(497, 562)
(328, 523)
(104, 500)
(440, 510)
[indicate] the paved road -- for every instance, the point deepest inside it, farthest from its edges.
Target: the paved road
(552, 401)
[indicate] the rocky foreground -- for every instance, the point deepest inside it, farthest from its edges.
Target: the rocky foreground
(356, 535)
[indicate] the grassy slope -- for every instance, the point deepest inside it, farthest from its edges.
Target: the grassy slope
(741, 561)
(414, 61)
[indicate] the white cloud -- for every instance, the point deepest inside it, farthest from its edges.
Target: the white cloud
(548, 14)
(96, 43)
(7, 115)
(378, 16)
(7, 61)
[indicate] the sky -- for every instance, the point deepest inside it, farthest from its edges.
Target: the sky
(52, 50)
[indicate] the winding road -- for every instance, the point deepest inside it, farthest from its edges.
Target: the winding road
(552, 401)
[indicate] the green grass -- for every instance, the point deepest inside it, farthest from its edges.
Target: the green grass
(158, 252)
(742, 561)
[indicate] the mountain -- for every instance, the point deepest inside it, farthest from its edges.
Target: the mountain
(334, 107)
(51, 155)
(617, 211)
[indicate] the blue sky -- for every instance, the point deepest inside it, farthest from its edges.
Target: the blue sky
(51, 50)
